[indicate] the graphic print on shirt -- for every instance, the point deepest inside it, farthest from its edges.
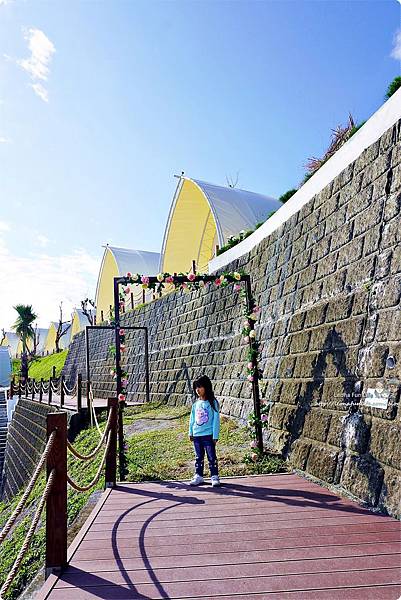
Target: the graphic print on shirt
(201, 416)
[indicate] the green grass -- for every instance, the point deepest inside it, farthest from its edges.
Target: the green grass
(168, 453)
(43, 367)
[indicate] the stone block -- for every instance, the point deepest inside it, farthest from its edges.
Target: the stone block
(336, 220)
(321, 338)
(390, 493)
(297, 322)
(359, 202)
(316, 425)
(395, 267)
(277, 415)
(377, 168)
(391, 234)
(305, 365)
(339, 309)
(327, 266)
(386, 293)
(334, 284)
(322, 462)
(385, 442)
(289, 392)
(368, 218)
(312, 293)
(392, 207)
(342, 236)
(360, 305)
(363, 477)
(371, 240)
(360, 272)
(350, 252)
(299, 454)
(299, 342)
(307, 276)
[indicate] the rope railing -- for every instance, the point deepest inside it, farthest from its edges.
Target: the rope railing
(85, 488)
(54, 496)
(21, 504)
(96, 450)
(29, 535)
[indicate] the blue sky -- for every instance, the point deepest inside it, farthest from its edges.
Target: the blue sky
(119, 96)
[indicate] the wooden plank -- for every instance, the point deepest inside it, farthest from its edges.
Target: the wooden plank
(120, 575)
(224, 587)
(385, 592)
(236, 556)
(173, 533)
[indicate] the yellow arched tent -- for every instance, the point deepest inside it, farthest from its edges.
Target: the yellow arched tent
(117, 262)
(79, 321)
(204, 215)
(50, 343)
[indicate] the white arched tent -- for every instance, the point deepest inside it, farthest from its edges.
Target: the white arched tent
(117, 262)
(79, 321)
(204, 215)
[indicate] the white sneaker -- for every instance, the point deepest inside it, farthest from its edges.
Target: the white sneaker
(196, 480)
(215, 481)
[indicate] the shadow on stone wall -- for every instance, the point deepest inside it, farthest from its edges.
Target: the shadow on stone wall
(335, 346)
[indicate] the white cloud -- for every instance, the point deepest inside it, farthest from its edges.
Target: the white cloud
(43, 280)
(396, 51)
(40, 91)
(42, 240)
(4, 2)
(37, 64)
(4, 226)
(4, 140)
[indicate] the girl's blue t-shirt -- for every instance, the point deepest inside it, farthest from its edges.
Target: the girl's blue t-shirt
(204, 420)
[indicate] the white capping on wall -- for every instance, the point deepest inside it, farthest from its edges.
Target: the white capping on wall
(379, 122)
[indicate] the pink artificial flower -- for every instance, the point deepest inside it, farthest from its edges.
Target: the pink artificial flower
(250, 365)
(184, 285)
(122, 332)
(124, 382)
(246, 338)
(254, 456)
(218, 281)
(129, 275)
(264, 418)
(121, 397)
(145, 279)
(237, 287)
(191, 277)
(170, 279)
(127, 290)
(250, 378)
(254, 444)
(123, 348)
(257, 309)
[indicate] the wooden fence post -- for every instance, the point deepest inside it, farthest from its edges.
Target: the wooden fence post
(79, 393)
(56, 507)
(111, 458)
(62, 391)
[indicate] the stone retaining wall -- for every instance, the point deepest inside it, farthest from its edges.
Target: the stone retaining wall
(329, 283)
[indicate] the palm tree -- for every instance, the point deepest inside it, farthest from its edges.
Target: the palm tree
(23, 325)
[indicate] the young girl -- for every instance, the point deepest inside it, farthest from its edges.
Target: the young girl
(204, 427)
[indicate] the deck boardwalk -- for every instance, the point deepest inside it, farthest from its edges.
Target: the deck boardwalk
(277, 537)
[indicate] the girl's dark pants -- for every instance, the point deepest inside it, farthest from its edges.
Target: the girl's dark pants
(202, 443)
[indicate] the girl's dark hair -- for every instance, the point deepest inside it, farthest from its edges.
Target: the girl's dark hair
(205, 382)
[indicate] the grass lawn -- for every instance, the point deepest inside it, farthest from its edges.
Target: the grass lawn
(42, 367)
(167, 453)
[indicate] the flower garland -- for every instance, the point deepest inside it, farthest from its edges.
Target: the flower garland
(191, 282)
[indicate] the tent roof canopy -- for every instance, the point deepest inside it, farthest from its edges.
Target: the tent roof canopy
(136, 261)
(234, 209)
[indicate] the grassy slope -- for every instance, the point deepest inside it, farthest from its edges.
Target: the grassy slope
(43, 367)
(163, 454)
(168, 453)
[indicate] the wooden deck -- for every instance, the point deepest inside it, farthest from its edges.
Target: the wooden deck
(277, 537)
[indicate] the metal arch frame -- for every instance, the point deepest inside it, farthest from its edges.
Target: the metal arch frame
(181, 279)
